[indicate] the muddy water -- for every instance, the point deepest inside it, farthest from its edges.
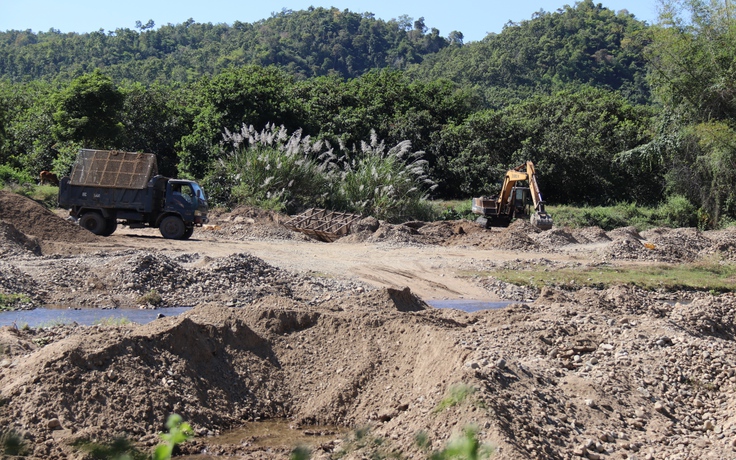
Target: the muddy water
(41, 317)
(268, 434)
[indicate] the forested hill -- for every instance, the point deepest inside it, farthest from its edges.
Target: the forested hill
(307, 43)
(584, 44)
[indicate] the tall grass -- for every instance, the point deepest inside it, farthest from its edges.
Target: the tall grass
(274, 170)
(270, 169)
(389, 184)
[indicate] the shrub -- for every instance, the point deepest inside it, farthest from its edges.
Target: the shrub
(13, 301)
(677, 211)
(464, 447)
(179, 431)
(151, 297)
(458, 394)
(119, 448)
(13, 443)
(12, 176)
(605, 217)
(112, 321)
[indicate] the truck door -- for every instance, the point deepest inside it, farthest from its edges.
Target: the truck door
(181, 198)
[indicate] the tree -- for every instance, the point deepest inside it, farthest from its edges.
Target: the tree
(154, 121)
(693, 61)
(693, 58)
(88, 111)
(248, 95)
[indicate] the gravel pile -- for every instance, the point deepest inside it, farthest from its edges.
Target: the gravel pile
(14, 282)
(610, 378)
(555, 238)
(130, 278)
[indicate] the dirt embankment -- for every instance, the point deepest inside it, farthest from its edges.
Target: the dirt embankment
(308, 336)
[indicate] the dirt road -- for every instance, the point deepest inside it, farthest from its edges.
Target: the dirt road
(432, 272)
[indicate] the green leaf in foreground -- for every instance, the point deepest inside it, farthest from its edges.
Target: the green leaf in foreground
(179, 431)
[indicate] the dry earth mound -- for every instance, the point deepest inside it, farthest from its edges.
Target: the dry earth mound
(576, 374)
(248, 222)
(32, 219)
(15, 243)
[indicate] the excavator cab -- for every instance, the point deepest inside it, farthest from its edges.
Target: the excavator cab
(520, 202)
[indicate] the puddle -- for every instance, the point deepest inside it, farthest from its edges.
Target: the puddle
(271, 434)
(87, 316)
(470, 306)
(680, 301)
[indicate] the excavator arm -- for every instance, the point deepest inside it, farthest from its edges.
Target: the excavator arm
(540, 218)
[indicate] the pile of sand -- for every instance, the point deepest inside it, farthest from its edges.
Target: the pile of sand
(32, 219)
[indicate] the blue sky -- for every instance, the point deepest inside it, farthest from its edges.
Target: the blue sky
(471, 17)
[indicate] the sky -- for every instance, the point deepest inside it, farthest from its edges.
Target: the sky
(474, 18)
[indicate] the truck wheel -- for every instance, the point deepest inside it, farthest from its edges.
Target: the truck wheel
(94, 222)
(188, 233)
(173, 228)
(110, 226)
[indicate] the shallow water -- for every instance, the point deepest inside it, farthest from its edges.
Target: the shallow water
(276, 433)
(470, 306)
(41, 317)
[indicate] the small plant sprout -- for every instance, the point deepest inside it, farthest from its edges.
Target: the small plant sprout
(458, 394)
(179, 431)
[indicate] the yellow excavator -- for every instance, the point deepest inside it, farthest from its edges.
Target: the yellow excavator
(514, 201)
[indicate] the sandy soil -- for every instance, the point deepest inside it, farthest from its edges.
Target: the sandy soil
(338, 334)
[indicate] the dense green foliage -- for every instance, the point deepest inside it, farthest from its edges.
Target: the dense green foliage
(610, 109)
(693, 62)
(308, 43)
(585, 44)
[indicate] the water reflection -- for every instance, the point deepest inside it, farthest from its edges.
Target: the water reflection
(470, 306)
(268, 434)
(41, 317)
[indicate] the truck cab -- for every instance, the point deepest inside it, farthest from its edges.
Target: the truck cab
(184, 207)
(187, 199)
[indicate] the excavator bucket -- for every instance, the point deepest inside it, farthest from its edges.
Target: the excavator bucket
(541, 220)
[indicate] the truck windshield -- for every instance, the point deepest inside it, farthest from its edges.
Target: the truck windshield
(198, 192)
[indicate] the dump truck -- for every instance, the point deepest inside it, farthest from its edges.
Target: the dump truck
(108, 187)
(514, 201)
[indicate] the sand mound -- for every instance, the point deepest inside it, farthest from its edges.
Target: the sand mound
(624, 233)
(555, 238)
(32, 219)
